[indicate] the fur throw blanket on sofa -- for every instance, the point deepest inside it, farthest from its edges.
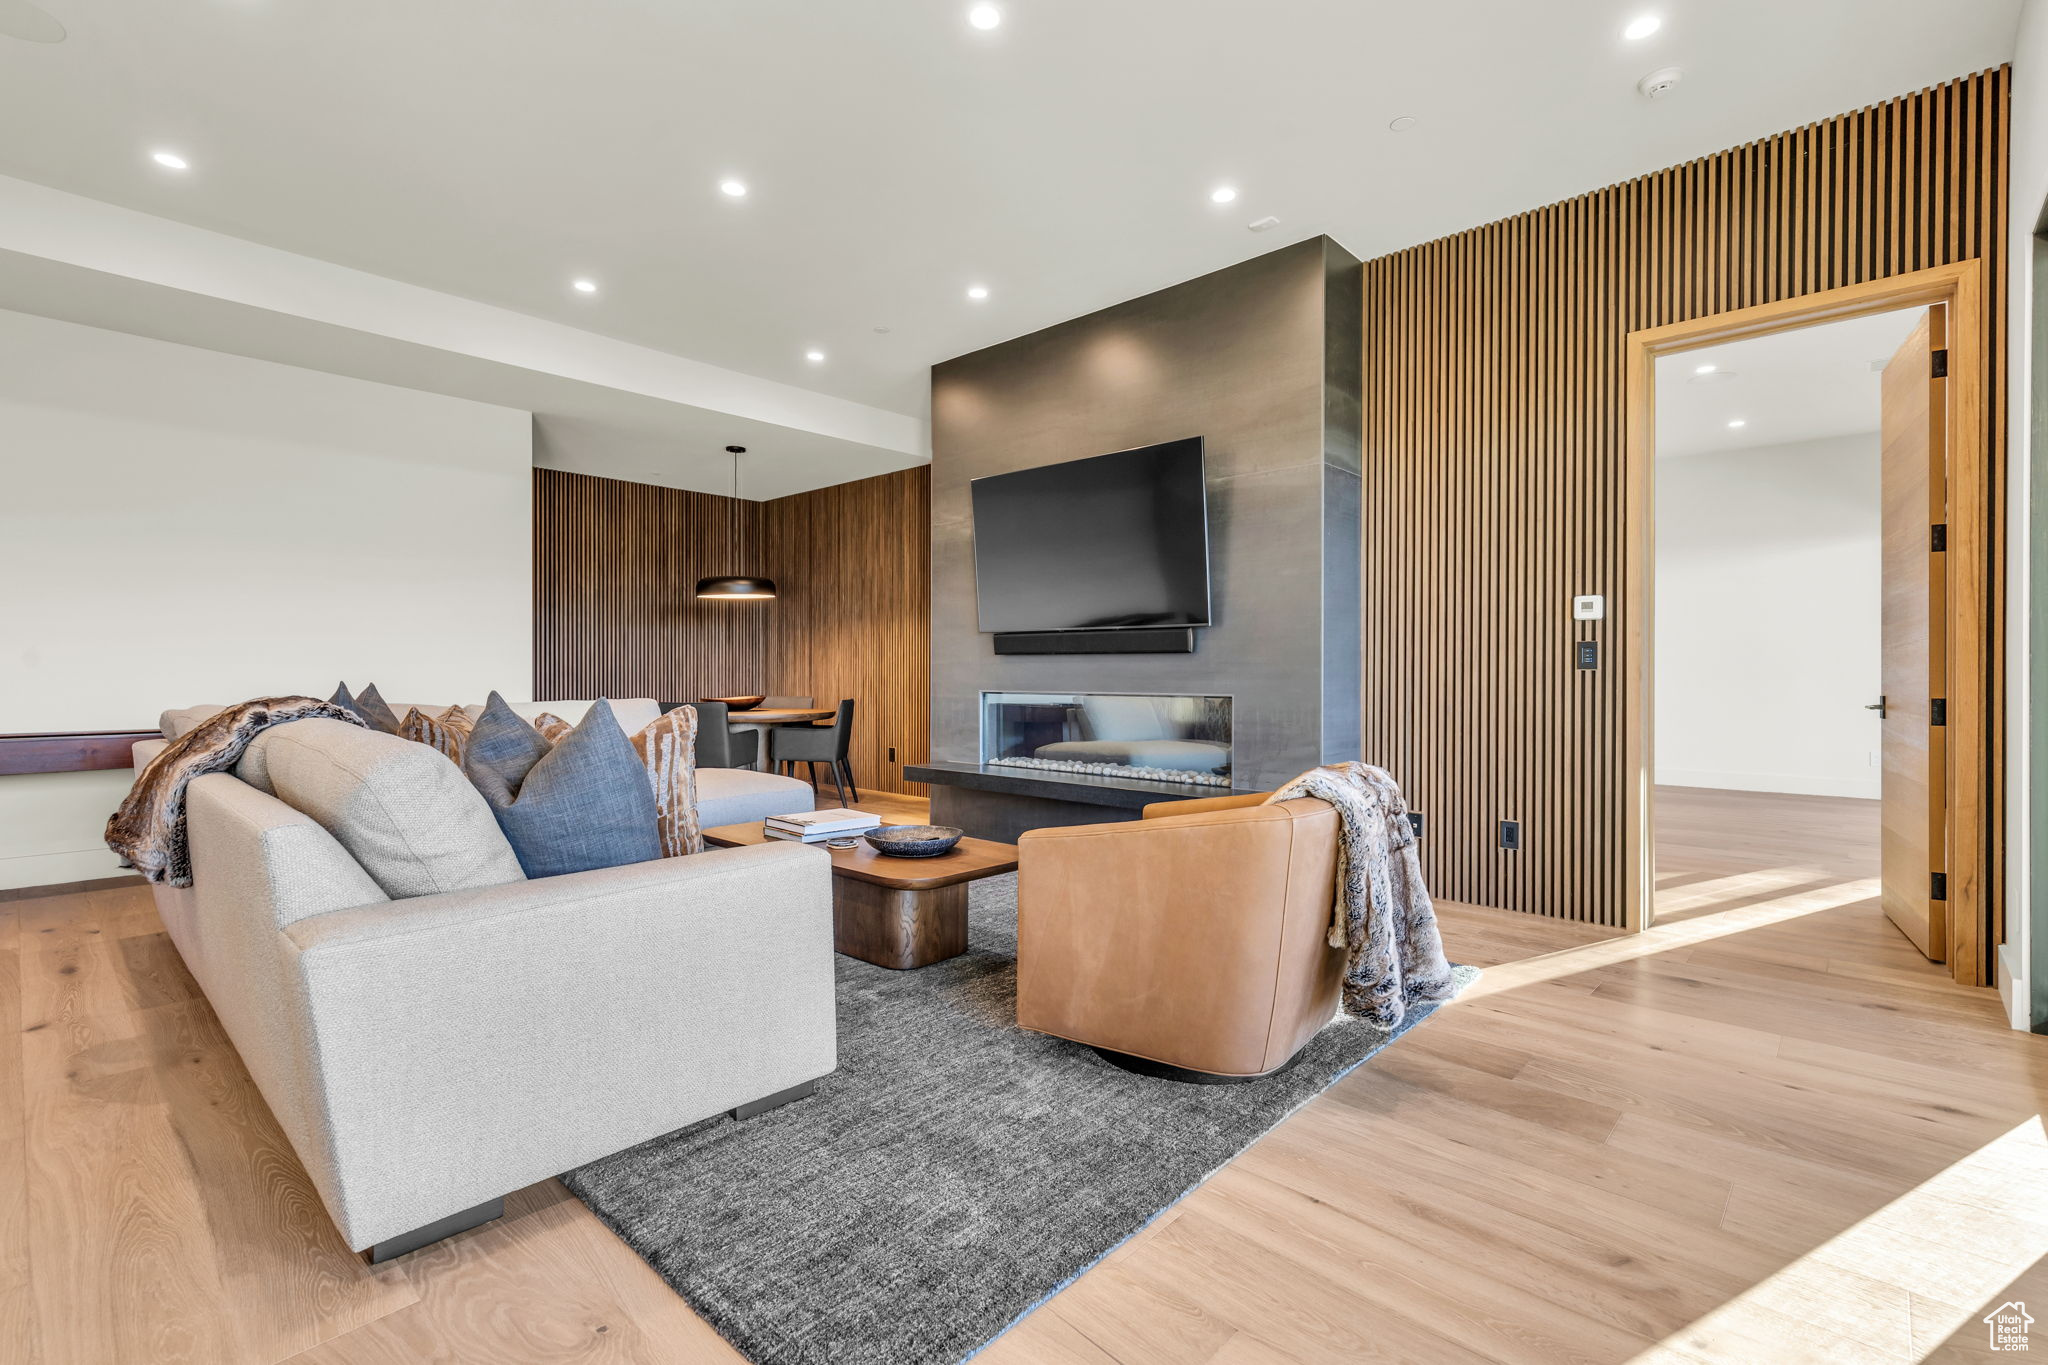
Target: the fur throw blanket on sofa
(149, 828)
(1384, 920)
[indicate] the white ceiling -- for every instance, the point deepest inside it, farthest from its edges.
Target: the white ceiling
(495, 149)
(1791, 386)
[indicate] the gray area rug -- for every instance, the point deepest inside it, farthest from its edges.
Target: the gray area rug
(952, 1175)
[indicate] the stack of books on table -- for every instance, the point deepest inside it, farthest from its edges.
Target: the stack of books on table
(816, 826)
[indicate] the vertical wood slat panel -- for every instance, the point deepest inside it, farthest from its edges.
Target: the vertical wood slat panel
(1494, 456)
(853, 565)
(615, 566)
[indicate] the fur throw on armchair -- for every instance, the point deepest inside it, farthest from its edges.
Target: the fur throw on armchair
(1384, 919)
(149, 828)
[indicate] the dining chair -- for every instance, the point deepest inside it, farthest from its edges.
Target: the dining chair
(788, 703)
(720, 744)
(815, 744)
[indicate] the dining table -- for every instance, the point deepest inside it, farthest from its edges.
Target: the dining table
(761, 717)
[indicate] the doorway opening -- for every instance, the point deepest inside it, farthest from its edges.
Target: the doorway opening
(1809, 696)
(1770, 618)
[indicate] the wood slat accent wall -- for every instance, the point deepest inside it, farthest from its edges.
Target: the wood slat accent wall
(615, 565)
(853, 565)
(615, 568)
(1494, 444)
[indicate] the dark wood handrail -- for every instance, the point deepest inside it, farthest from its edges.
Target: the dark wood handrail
(77, 751)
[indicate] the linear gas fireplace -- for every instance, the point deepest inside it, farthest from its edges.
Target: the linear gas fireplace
(1153, 738)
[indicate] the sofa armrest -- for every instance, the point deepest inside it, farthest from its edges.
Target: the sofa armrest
(471, 1043)
(1160, 810)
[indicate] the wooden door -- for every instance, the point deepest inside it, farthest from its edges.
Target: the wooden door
(1915, 760)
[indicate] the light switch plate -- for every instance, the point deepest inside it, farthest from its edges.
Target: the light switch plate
(1589, 608)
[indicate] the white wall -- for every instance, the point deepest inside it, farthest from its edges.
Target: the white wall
(182, 526)
(1768, 618)
(2026, 876)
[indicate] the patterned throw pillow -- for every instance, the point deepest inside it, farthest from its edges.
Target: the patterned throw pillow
(668, 748)
(447, 732)
(551, 726)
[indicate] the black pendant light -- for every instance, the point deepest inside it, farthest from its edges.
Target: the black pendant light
(735, 587)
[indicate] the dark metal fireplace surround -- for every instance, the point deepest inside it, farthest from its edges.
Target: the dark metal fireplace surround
(1262, 361)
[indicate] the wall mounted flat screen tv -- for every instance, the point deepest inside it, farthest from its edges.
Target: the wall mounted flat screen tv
(1115, 542)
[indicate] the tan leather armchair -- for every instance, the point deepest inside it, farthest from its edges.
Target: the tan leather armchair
(1194, 940)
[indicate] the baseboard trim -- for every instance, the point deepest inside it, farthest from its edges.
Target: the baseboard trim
(23, 893)
(1783, 784)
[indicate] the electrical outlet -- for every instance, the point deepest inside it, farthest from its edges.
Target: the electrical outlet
(1511, 835)
(1415, 819)
(1876, 758)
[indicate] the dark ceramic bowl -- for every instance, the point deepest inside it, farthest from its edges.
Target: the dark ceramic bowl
(740, 703)
(913, 841)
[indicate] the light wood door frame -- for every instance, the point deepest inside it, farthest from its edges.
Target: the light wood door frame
(1972, 690)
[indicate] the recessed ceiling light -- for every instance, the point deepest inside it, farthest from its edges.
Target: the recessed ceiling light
(815, 357)
(977, 292)
(1737, 424)
(584, 286)
(1403, 123)
(1641, 28)
(171, 161)
(985, 17)
(1222, 194)
(1705, 369)
(733, 189)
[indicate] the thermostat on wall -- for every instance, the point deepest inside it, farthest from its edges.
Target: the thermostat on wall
(1589, 608)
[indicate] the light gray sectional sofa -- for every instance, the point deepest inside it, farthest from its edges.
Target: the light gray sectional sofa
(434, 1030)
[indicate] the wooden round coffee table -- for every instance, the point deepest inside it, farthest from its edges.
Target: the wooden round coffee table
(896, 912)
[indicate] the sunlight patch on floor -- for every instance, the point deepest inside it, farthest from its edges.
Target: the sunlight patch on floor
(1900, 1282)
(1664, 938)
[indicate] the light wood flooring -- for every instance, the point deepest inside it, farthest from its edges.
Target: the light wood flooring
(1765, 1130)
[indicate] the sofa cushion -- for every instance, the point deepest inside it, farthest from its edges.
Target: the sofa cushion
(584, 804)
(404, 812)
(735, 796)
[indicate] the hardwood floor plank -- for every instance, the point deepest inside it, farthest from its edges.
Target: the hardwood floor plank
(123, 1273)
(19, 1336)
(268, 1231)
(547, 1283)
(1708, 1143)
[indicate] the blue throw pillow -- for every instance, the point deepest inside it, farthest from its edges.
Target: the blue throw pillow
(371, 707)
(503, 746)
(347, 703)
(585, 803)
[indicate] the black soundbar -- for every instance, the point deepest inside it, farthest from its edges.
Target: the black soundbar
(1174, 640)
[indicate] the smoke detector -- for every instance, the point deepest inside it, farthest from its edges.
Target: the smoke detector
(1659, 82)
